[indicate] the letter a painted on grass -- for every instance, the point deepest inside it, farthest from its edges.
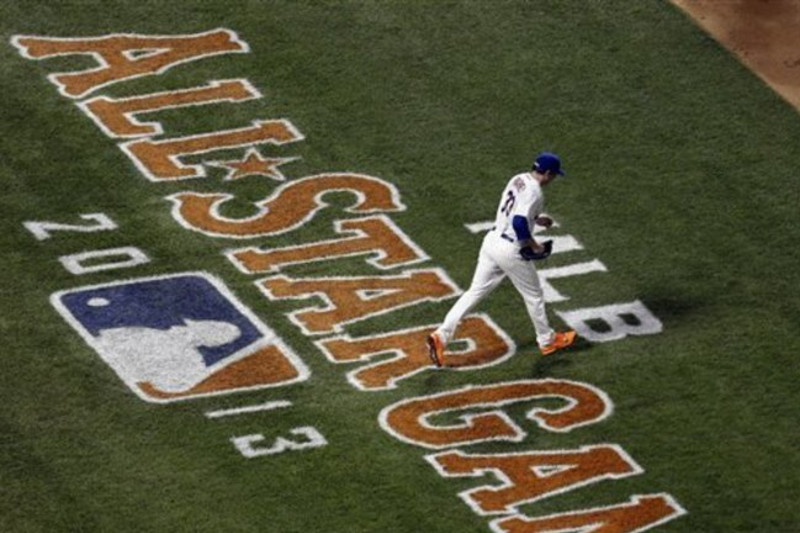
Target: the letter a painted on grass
(377, 237)
(640, 514)
(351, 299)
(532, 476)
(125, 56)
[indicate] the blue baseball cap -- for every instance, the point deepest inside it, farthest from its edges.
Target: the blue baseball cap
(548, 161)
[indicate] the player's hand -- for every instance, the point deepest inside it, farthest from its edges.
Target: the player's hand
(544, 221)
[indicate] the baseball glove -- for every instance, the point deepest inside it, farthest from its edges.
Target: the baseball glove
(528, 254)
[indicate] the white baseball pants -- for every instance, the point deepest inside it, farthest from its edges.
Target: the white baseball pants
(497, 259)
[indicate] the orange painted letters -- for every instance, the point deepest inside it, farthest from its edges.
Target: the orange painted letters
(289, 207)
(408, 419)
(641, 514)
(531, 476)
(115, 116)
(487, 346)
(159, 160)
(125, 56)
(376, 236)
(356, 298)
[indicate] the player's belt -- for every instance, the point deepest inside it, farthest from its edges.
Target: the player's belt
(503, 235)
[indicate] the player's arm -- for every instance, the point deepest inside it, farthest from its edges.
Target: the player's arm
(523, 233)
(530, 250)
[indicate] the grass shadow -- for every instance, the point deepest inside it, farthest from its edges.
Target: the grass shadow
(544, 365)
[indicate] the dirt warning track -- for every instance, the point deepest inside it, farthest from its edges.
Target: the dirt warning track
(762, 34)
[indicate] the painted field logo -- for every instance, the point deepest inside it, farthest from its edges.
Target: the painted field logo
(178, 337)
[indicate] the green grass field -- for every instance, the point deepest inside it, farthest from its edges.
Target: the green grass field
(682, 182)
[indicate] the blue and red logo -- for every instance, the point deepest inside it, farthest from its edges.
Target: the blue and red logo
(179, 336)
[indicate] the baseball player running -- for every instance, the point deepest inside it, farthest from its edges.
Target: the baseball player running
(509, 249)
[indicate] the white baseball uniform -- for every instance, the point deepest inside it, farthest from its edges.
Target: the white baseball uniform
(499, 257)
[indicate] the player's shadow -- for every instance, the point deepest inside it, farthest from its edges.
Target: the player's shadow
(672, 309)
(544, 365)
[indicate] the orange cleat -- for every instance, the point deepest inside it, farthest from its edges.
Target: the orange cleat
(435, 349)
(561, 340)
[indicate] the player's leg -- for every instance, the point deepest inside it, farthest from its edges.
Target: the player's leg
(487, 276)
(526, 280)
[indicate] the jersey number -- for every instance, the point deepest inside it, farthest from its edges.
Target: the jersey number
(508, 205)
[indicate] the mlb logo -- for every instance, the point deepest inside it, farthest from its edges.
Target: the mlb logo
(178, 337)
